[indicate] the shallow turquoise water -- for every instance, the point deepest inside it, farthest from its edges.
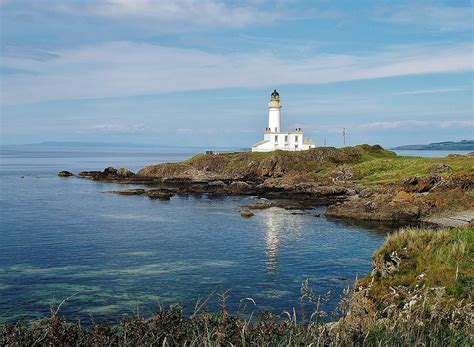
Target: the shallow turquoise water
(62, 236)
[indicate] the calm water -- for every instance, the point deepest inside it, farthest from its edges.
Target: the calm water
(431, 154)
(61, 236)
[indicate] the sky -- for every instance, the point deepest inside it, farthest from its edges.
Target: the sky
(200, 72)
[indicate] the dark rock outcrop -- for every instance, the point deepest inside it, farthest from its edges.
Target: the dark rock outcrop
(109, 174)
(420, 185)
(65, 174)
(412, 200)
(129, 192)
(160, 194)
(240, 187)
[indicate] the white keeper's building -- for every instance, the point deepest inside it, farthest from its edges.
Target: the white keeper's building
(275, 139)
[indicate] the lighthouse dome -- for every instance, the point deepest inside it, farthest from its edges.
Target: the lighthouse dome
(275, 95)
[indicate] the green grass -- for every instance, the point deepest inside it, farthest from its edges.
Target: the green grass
(371, 164)
(443, 258)
(396, 169)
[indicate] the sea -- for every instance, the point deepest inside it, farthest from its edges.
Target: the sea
(105, 256)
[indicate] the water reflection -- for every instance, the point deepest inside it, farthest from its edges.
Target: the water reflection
(279, 228)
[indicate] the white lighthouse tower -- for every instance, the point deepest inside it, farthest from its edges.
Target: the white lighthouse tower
(274, 112)
(273, 138)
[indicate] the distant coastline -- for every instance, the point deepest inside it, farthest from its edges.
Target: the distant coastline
(464, 145)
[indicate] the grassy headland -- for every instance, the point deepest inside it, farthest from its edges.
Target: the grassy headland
(376, 183)
(369, 165)
(420, 292)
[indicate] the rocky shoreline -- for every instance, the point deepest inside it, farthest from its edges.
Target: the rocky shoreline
(298, 177)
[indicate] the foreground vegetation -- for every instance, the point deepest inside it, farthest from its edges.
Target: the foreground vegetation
(419, 293)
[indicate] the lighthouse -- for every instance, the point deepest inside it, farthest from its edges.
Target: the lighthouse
(275, 139)
(274, 112)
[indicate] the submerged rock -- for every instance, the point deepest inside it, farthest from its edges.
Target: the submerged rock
(129, 192)
(160, 194)
(65, 174)
(258, 206)
(92, 174)
(246, 213)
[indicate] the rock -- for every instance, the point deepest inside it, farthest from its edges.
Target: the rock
(292, 207)
(342, 173)
(246, 213)
(161, 194)
(129, 192)
(110, 171)
(420, 185)
(258, 206)
(92, 174)
(65, 174)
(124, 172)
(317, 215)
(384, 266)
(240, 187)
(439, 168)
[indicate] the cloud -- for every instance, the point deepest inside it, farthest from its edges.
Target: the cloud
(118, 128)
(121, 69)
(404, 124)
(440, 16)
(432, 91)
(195, 11)
(184, 12)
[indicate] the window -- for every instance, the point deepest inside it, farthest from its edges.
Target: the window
(276, 138)
(276, 129)
(296, 138)
(286, 138)
(296, 146)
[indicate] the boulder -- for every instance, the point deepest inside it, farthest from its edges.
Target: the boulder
(246, 213)
(124, 172)
(240, 187)
(110, 171)
(420, 185)
(160, 194)
(65, 174)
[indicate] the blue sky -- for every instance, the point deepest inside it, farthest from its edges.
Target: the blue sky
(200, 72)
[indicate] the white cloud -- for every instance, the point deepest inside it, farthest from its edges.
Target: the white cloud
(432, 91)
(184, 12)
(118, 128)
(121, 69)
(440, 16)
(403, 124)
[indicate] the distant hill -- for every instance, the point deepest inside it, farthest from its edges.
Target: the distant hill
(464, 145)
(86, 144)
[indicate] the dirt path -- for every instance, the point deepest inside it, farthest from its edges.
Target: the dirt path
(453, 220)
